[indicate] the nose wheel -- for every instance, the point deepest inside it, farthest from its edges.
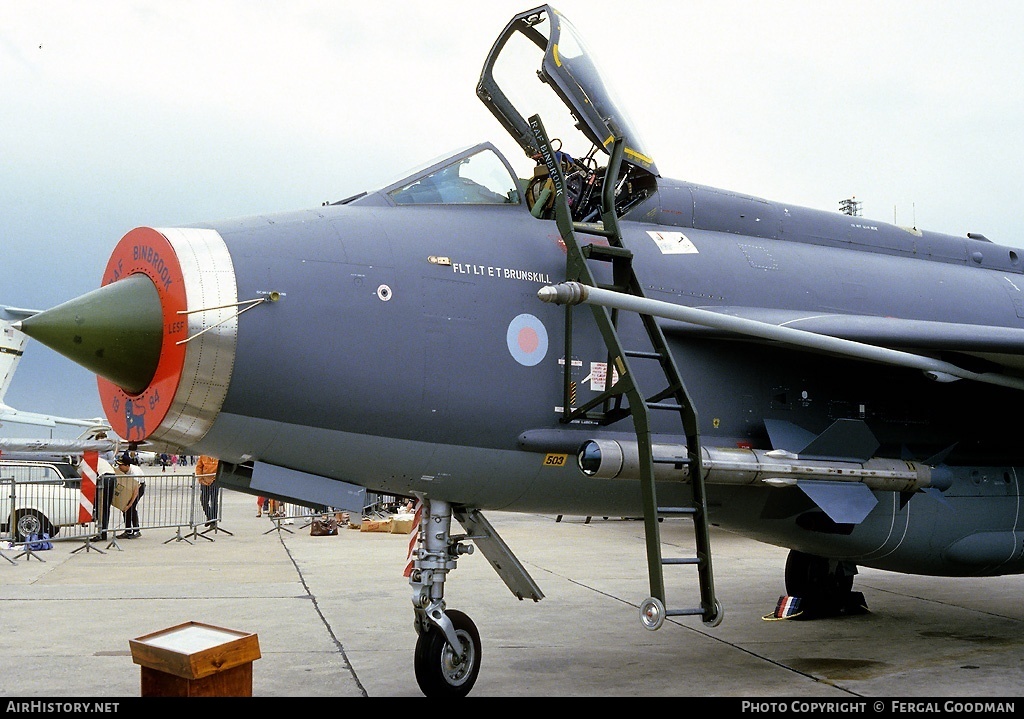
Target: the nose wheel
(440, 670)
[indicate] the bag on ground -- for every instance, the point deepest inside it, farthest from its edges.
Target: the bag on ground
(34, 543)
(323, 527)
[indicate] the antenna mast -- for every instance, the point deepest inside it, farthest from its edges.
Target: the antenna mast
(850, 207)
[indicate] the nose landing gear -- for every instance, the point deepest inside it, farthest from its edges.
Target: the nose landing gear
(448, 650)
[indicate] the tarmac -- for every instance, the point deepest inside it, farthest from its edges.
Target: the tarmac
(333, 617)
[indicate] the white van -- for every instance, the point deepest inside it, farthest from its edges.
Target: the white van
(37, 497)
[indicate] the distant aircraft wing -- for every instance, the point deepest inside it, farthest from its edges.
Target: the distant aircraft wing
(16, 416)
(9, 414)
(13, 314)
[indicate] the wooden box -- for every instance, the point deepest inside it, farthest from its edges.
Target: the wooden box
(196, 660)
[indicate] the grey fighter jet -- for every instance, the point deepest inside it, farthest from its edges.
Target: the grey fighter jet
(593, 339)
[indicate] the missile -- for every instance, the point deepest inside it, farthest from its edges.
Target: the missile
(55, 446)
(615, 459)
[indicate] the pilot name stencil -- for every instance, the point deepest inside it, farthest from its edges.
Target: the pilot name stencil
(508, 273)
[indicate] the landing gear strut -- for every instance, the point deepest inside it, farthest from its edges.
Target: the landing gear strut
(448, 651)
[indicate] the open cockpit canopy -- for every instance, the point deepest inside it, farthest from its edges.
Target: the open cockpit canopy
(542, 38)
(568, 68)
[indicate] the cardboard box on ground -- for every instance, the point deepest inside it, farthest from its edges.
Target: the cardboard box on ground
(397, 524)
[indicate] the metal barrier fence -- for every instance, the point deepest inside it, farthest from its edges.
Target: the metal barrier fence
(287, 513)
(375, 505)
(382, 505)
(39, 505)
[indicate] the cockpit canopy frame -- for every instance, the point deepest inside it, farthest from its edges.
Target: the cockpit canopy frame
(568, 69)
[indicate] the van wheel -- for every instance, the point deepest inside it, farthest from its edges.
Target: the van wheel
(29, 522)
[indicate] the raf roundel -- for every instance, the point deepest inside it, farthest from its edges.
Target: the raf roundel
(527, 340)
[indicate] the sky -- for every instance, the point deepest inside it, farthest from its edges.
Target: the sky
(152, 113)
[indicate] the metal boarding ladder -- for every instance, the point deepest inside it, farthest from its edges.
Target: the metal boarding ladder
(608, 407)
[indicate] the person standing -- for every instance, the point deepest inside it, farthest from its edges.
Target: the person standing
(206, 475)
(126, 465)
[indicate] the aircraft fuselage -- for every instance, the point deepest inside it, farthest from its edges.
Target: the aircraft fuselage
(407, 369)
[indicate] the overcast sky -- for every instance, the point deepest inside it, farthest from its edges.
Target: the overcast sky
(120, 114)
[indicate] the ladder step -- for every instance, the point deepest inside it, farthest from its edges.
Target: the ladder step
(642, 355)
(664, 405)
(680, 560)
(668, 511)
(594, 228)
(606, 252)
(684, 612)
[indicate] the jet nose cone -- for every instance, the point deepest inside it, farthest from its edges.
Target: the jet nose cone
(115, 332)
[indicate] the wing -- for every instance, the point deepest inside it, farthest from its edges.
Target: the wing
(883, 331)
(945, 351)
(1000, 346)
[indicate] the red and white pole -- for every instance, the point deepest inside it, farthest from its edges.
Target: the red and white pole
(88, 468)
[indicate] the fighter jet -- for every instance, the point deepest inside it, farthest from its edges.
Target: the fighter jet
(592, 339)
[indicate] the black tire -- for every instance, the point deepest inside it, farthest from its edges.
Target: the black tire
(436, 672)
(30, 521)
(810, 578)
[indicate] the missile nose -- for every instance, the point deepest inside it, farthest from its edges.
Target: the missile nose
(115, 332)
(566, 293)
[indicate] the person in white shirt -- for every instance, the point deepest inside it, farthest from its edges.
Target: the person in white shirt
(126, 465)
